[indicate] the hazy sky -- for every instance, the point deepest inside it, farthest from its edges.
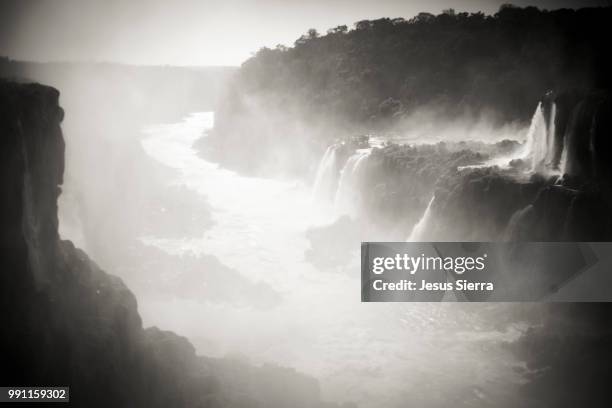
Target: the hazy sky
(194, 32)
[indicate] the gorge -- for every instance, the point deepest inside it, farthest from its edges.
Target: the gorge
(190, 236)
(86, 311)
(68, 322)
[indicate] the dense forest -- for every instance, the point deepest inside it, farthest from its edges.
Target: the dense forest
(372, 76)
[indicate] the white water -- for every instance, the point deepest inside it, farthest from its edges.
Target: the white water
(422, 226)
(538, 150)
(537, 141)
(563, 161)
(550, 135)
(326, 180)
(376, 354)
(348, 196)
(540, 145)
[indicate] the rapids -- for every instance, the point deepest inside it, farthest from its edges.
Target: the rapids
(320, 326)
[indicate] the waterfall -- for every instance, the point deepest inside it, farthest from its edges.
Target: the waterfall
(536, 146)
(550, 135)
(327, 175)
(420, 228)
(348, 196)
(563, 162)
(539, 151)
(540, 145)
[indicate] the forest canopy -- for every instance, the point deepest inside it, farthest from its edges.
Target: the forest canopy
(380, 68)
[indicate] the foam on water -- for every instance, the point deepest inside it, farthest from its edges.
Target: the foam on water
(348, 196)
(320, 327)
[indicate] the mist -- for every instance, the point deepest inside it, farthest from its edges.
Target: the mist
(230, 261)
(233, 201)
(247, 283)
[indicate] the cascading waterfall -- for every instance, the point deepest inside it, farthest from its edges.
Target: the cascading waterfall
(550, 135)
(348, 197)
(563, 161)
(340, 187)
(539, 151)
(536, 146)
(540, 148)
(326, 179)
(420, 228)
(541, 144)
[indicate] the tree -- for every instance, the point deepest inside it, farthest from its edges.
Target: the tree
(341, 29)
(313, 33)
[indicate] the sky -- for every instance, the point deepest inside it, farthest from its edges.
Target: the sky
(195, 32)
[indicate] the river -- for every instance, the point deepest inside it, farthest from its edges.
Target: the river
(374, 354)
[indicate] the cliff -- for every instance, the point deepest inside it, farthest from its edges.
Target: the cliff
(68, 323)
(573, 205)
(556, 186)
(379, 75)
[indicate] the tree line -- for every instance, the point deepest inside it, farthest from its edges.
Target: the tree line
(459, 62)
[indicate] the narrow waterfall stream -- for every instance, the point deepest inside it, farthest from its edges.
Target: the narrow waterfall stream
(326, 181)
(421, 227)
(347, 198)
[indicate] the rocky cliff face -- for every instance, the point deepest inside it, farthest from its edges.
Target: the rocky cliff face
(68, 323)
(491, 204)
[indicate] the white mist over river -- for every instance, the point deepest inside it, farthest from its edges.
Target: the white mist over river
(377, 355)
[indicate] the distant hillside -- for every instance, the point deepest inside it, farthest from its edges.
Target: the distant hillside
(107, 106)
(371, 77)
(149, 93)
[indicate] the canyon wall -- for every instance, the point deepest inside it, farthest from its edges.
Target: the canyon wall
(554, 186)
(68, 323)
